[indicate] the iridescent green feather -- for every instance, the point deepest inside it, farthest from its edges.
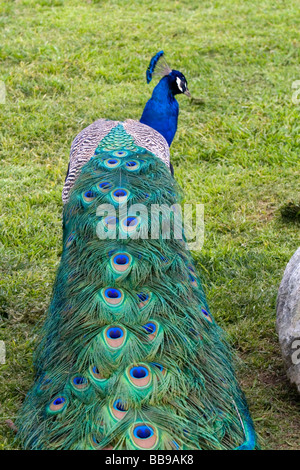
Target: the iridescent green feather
(129, 356)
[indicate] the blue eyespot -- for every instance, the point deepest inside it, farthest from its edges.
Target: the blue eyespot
(150, 328)
(105, 186)
(79, 380)
(130, 224)
(121, 262)
(113, 297)
(89, 194)
(112, 162)
(59, 401)
(143, 296)
(207, 315)
(143, 432)
(132, 165)
(113, 293)
(120, 153)
(139, 372)
(120, 193)
(121, 259)
(118, 405)
(115, 333)
(193, 280)
(131, 221)
(57, 405)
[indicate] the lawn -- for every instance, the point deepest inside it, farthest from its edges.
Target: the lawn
(68, 63)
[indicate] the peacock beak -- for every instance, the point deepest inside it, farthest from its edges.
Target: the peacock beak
(187, 93)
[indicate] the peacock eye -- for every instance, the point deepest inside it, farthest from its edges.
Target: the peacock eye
(180, 84)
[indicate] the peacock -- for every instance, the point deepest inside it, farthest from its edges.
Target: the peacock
(130, 356)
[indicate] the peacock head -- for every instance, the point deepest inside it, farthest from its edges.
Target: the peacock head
(159, 67)
(178, 83)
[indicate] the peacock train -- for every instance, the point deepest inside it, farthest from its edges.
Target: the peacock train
(130, 356)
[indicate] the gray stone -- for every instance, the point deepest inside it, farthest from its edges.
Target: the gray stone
(288, 318)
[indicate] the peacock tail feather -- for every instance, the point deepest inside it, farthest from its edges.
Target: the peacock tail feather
(130, 356)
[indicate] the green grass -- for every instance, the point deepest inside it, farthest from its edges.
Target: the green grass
(67, 63)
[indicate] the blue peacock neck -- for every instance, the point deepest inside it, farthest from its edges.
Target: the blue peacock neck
(161, 111)
(163, 90)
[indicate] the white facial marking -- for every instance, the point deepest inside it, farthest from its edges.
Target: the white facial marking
(178, 81)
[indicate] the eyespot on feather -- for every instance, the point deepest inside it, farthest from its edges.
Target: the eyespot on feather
(130, 223)
(89, 196)
(151, 329)
(207, 315)
(70, 239)
(57, 405)
(121, 262)
(112, 162)
(119, 409)
(95, 373)
(193, 280)
(132, 165)
(80, 382)
(120, 153)
(144, 298)
(144, 436)
(105, 186)
(120, 195)
(112, 296)
(140, 376)
(115, 336)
